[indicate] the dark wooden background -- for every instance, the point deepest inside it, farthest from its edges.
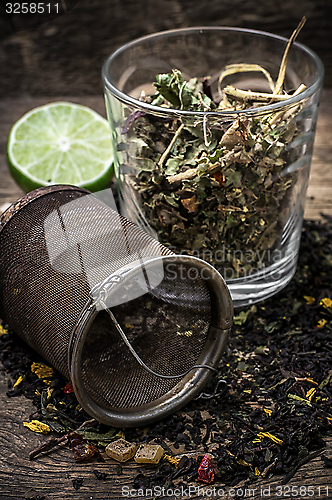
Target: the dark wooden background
(64, 57)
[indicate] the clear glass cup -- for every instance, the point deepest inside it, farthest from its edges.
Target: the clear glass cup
(245, 216)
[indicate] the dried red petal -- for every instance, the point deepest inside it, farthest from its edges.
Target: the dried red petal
(68, 388)
(75, 442)
(84, 452)
(75, 439)
(205, 471)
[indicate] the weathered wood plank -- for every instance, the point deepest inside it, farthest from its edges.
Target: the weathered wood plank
(39, 58)
(320, 184)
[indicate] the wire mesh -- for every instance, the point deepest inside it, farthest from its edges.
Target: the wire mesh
(59, 247)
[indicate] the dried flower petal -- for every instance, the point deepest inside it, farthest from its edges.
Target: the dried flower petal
(309, 300)
(310, 394)
(83, 451)
(68, 388)
(271, 437)
(3, 331)
(42, 370)
(205, 471)
(190, 204)
(171, 460)
(18, 381)
(326, 302)
(37, 426)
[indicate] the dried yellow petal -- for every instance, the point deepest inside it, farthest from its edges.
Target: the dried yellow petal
(42, 370)
(270, 436)
(326, 303)
(37, 426)
(310, 394)
(321, 323)
(47, 395)
(310, 300)
(18, 381)
(257, 473)
(267, 411)
(188, 333)
(3, 331)
(171, 460)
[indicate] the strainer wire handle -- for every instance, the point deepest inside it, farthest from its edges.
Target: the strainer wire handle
(136, 356)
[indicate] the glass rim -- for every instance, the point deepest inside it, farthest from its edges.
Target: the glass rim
(178, 112)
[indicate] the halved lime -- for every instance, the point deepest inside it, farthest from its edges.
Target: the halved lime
(61, 143)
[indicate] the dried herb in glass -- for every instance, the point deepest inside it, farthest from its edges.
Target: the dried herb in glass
(214, 188)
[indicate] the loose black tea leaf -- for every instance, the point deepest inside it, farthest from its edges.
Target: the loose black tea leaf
(101, 476)
(77, 483)
(327, 461)
(34, 495)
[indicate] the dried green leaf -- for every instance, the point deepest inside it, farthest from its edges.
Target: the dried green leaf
(106, 437)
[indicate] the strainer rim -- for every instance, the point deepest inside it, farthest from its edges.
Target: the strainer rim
(190, 385)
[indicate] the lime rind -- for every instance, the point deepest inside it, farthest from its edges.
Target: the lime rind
(38, 154)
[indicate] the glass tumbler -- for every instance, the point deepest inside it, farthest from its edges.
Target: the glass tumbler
(226, 184)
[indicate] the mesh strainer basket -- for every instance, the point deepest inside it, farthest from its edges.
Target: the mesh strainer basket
(136, 328)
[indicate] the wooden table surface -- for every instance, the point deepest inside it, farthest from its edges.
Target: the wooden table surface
(51, 476)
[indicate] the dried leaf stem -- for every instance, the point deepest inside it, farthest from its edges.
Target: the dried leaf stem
(269, 467)
(304, 461)
(231, 69)
(50, 444)
(228, 158)
(276, 88)
(279, 115)
(254, 96)
(283, 65)
(169, 147)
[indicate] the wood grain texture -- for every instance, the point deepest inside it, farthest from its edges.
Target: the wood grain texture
(319, 195)
(65, 56)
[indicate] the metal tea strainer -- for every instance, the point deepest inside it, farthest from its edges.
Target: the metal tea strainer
(137, 329)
